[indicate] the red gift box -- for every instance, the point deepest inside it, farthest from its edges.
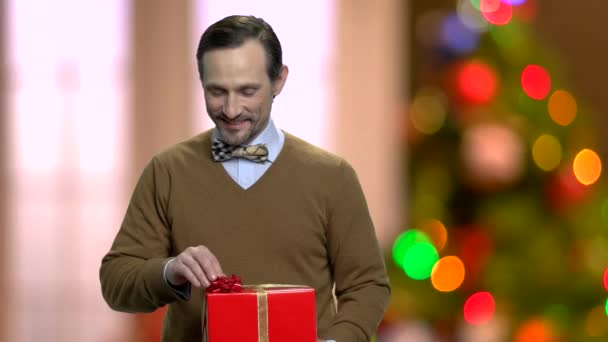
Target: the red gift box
(261, 313)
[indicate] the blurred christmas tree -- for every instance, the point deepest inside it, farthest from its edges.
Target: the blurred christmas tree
(507, 237)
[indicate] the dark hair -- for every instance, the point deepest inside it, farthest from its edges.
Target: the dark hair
(235, 30)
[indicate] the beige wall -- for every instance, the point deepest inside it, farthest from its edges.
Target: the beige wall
(3, 170)
(370, 89)
(162, 64)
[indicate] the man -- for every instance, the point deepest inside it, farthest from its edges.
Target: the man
(249, 199)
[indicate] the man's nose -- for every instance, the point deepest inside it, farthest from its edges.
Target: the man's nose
(232, 108)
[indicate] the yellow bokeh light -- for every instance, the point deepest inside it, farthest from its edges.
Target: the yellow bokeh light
(562, 107)
(428, 112)
(547, 152)
(587, 167)
(437, 232)
(447, 274)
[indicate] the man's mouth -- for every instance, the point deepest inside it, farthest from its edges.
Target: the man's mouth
(234, 124)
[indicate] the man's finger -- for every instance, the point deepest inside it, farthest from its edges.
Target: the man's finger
(209, 264)
(194, 267)
(185, 272)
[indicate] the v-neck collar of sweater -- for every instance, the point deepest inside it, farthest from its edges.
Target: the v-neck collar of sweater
(217, 167)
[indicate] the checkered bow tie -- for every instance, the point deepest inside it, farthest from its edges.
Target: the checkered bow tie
(221, 151)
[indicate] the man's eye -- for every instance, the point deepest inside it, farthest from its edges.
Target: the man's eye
(215, 92)
(249, 92)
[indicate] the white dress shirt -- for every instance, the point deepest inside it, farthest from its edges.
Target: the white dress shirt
(246, 172)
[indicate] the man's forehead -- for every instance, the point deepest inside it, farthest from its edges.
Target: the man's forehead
(250, 55)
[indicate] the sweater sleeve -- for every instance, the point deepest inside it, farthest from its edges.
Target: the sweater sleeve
(362, 285)
(131, 273)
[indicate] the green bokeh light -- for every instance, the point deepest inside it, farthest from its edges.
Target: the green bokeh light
(476, 3)
(606, 307)
(419, 260)
(404, 242)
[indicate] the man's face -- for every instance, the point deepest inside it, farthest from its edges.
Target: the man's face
(238, 91)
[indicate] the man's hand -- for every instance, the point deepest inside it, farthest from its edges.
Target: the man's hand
(196, 265)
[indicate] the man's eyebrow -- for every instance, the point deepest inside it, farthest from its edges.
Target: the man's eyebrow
(250, 85)
(213, 86)
(241, 87)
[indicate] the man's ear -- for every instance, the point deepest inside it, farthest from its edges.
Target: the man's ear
(279, 82)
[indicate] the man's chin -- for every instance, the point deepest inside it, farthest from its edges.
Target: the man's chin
(234, 138)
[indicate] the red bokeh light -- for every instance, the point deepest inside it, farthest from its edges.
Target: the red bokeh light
(564, 191)
(536, 82)
(475, 246)
(479, 308)
(500, 16)
(477, 82)
(606, 279)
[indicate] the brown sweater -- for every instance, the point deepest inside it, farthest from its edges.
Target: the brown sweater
(304, 222)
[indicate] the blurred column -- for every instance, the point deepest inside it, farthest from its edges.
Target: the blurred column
(66, 95)
(3, 172)
(370, 91)
(163, 64)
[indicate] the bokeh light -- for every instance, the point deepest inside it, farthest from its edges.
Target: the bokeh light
(419, 260)
(606, 307)
(471, 17)
(536, 81)
(428, 111)
(477, 82)
(474, 247)
(496, 12)
(562, 107)
(587, 167)
(606, 279)
(564, 190)
(457, 36)
(404, 242)
(535, 330)
(448, 274)
(476, 4)
(493, 154)
(479, 308)
(489, 5)
(514, 2)
(436, 232)
(596, 322)
(547, 152)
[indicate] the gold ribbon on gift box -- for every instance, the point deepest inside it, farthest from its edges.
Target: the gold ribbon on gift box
(262, 298)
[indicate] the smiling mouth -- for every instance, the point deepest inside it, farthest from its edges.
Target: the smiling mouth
(234, 124)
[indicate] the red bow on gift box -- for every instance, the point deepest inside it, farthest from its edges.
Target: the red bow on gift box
(225, 285)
